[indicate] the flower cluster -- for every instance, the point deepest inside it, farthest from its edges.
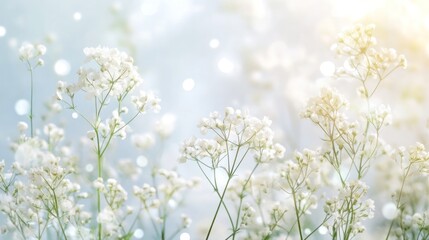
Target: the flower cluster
(409, 218)
(116, 74)
(355, 40)
(236, 135)
(234, 131)
(327, 109)
(28, 51)
(363, 61)
(164, 197)
(39, 191)
(352, 146)
(145, 101)
(113, 216)
(350, 199)
(262, 216)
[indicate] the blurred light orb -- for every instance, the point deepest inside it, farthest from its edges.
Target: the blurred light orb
(323, 230)
(75, 115)
(138, 233)
(62, 67)
(141, 161)
(214, 43)
(2, 31)
(149, 7)
(22, 107)
(89, 168)
(327, 68)
(185, 236)
(77, 16)
(226, 66)
(307, 231)
(188, 84)
(389, 211)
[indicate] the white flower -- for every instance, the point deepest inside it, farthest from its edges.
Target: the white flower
(91, 134)
(143, 141)
(28, 51)
(236, 128)
(186, 221)
(98, 184)
(41, 49)
(40, 62)
(116, 76)
(110, 226)
(54, 133)
(22, 126)
(165, 126)
(145, 101)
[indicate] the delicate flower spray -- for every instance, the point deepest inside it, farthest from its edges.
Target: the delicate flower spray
(28, 53)
(41, 193)
(236, 136)
(351, 147)
(110, 83)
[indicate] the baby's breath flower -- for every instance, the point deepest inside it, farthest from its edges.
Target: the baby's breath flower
(143, 141)
(350, 208)
(28, 51)
(237, 128)
(165, 126)
(40, 62)
(107, 218)
(115, 194)
(380, 116)
(326, 108)
(248, 214)
(355, 40)
(99, 184)
(91, 134)
(54, 133)
(41, 49)
(186, 221)
(22, 126)
(145, 101)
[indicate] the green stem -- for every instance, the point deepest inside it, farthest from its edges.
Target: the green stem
(30, 69)
(399, 199)
(58, 215)
(236, 228)
(100, 171)
(218, 207)
(297, 214)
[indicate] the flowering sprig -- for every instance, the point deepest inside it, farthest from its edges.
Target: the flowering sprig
(300, 179)
(356, 141)
(261, 216)
(346, 211)
(39, 196)
(110, 83)
(352, 145)
(365, 63)
(28, 53)
(237, 135)
(162, 199)
(407, 222)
